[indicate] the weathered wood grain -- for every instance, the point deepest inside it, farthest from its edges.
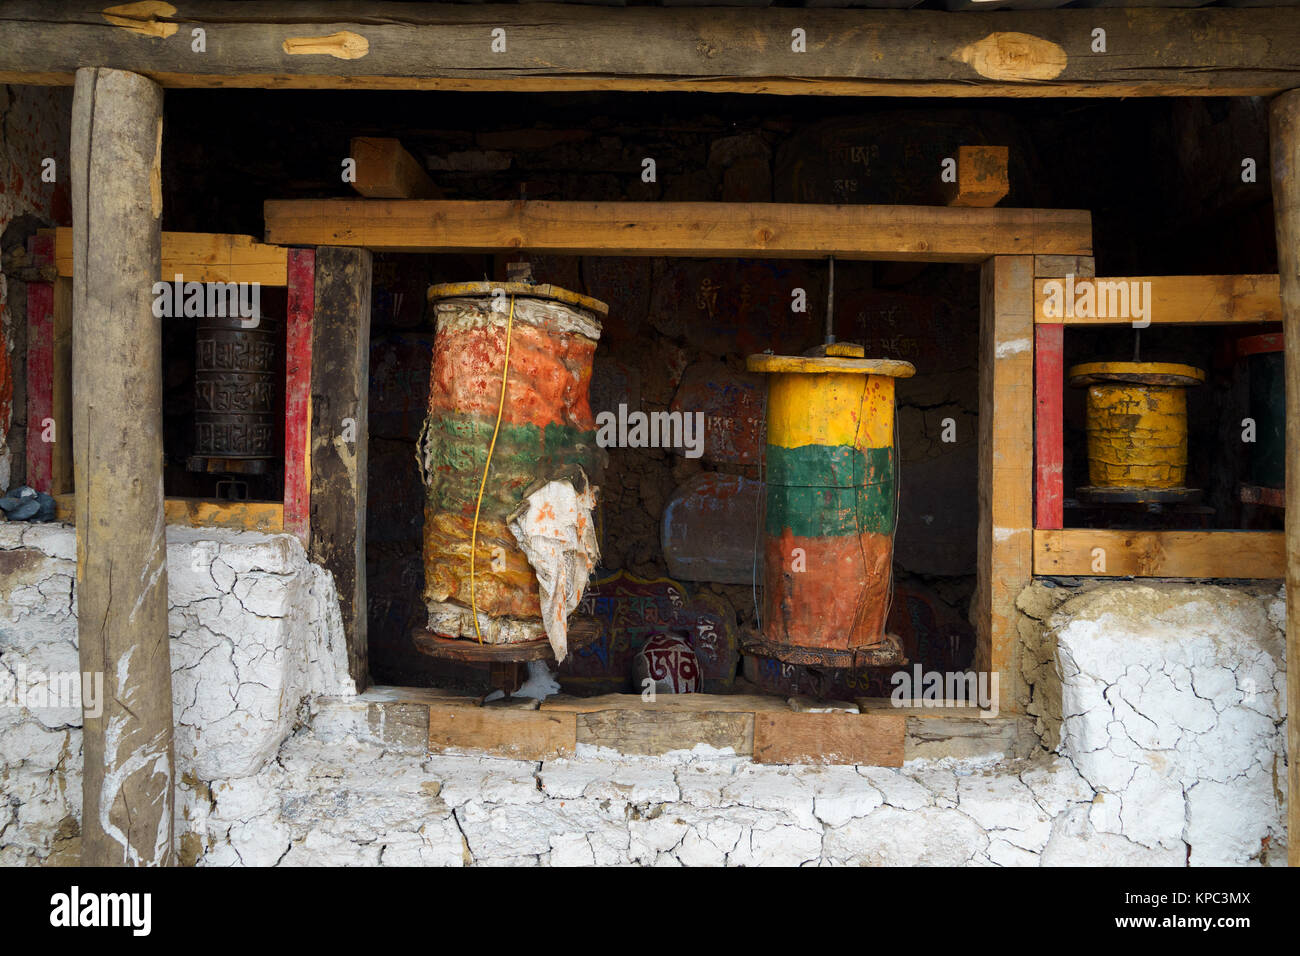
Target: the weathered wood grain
(340, 386)
(756, 230)
(290, 44)
(128, 786)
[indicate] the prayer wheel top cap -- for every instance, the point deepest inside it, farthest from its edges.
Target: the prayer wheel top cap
(852, 366)
(1136, 373)
(459, 290)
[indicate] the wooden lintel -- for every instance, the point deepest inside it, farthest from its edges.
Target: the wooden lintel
(202, 257)
(1160, 554)
(1160, 52)
(754, 230)
(1163, 300)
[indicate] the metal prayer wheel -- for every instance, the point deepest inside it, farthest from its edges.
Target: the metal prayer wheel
(546, 425)
(236, 382)
(1136, 422)
(831, 507)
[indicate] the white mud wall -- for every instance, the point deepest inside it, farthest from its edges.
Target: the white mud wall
(1164, 709)
(256, 632)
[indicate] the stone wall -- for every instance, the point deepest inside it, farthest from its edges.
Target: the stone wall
(256, 632)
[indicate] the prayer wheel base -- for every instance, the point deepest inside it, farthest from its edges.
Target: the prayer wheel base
(1094, 495)
(1263, 495)
(887, 653)
(583, 630)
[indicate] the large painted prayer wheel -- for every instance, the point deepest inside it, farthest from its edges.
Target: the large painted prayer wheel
(831, 494)
(1136, 421)
(546, 424)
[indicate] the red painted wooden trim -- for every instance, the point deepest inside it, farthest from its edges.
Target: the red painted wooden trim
(1049, 426)
(297, 393)
(1259, 344)
(40, 368)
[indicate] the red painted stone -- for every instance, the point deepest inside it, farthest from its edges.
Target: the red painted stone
(732, 402)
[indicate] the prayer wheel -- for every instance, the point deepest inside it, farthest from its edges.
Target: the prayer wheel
(237, 371)
(831, 503)
(1136, 422)
(546, 426)
(1263, 354)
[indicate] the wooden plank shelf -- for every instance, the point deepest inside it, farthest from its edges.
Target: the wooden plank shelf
(202, 257)
(267, 516)
(1160, 554)
(1172, 300)
(756, 230)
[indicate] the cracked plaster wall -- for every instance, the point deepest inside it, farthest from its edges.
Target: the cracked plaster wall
(255, 631)
(1166, 712)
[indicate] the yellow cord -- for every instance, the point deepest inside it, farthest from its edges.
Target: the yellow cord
(501, 406)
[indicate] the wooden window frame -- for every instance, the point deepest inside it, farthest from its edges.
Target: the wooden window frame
(196, 257)
(1057, 550)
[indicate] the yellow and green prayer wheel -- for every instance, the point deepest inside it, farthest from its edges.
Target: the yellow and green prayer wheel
(831, 502)
(1136, 421)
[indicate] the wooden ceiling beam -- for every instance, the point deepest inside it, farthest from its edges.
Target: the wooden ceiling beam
(554, 47)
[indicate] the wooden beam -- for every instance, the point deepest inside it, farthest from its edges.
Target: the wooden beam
(1049, 426)
(129, 780)
(1168, 300)
(981, 176)
(307, 45)
(40, 371)
(266, 516)
(1284, 134)
(1006, 472)
(1100, 552)
(300, 311)
(340, 386)
(385, 170)
(202, 257)
(755, 230)
(787, 737)
(503, 731)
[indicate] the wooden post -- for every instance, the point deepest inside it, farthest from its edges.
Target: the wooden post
(1006, 456)
(129, 784)
(340, 386)
(1284, 134)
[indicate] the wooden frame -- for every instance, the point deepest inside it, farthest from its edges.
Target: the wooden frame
(305, 45)
(197, 257)
(1173, 300)
(1060, 238)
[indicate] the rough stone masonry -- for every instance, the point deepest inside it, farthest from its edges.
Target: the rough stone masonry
(1161, 705)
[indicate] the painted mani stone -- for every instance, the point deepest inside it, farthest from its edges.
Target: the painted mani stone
(831, 503)
(634, 610)
(546, 425)
(668, 664)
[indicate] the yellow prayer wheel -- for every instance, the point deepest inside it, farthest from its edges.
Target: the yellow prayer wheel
(1136, 422)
